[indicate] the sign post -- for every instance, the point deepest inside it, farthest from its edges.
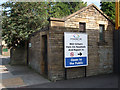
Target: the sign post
(75, 49)
(117, 15)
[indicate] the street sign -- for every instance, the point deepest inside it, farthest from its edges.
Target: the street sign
(5, 50)
(75, 49)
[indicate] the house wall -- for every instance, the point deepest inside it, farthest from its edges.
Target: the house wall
(56, 56)
(100, 55)
(18, 56)
(56, 23)
(35, 57)
(92, 17)
(34, 52)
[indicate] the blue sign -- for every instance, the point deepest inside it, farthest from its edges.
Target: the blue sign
(75, 61)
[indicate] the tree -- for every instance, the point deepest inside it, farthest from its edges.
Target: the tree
(62, 9)
(23, 18)
(109, 9)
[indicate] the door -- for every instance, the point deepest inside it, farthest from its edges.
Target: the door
(44, 54)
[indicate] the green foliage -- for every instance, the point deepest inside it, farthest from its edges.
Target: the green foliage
(109, 9)
(21, 19)
(62, 9)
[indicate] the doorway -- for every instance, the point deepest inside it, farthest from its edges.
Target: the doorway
(44, 54)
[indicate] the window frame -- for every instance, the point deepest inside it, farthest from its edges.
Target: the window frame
(84, 27)
(102, 35)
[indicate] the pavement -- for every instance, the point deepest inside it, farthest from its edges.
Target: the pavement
(100, 81)
(17, 76)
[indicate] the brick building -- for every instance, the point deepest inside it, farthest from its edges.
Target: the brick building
(46, 47)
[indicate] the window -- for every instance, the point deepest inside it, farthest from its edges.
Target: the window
(101, 33)
(82, 27)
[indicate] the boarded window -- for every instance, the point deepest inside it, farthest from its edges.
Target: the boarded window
(101, 33)
(82, 27)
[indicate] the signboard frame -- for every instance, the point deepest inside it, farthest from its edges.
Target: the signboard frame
(74, 57)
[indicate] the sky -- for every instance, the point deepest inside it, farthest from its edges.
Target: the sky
(2, 1)
(96, 2)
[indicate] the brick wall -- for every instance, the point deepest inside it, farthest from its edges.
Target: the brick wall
(18, 56)
(56, 46)
(34, 52)
(35, 56)
(100, 55)
(91, 16)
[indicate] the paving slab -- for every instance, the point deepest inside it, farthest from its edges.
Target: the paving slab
(34, 79)
(18, 76)
(11, 82)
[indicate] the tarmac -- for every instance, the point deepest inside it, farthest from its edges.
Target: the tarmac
(18, 76)
(99, 81)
